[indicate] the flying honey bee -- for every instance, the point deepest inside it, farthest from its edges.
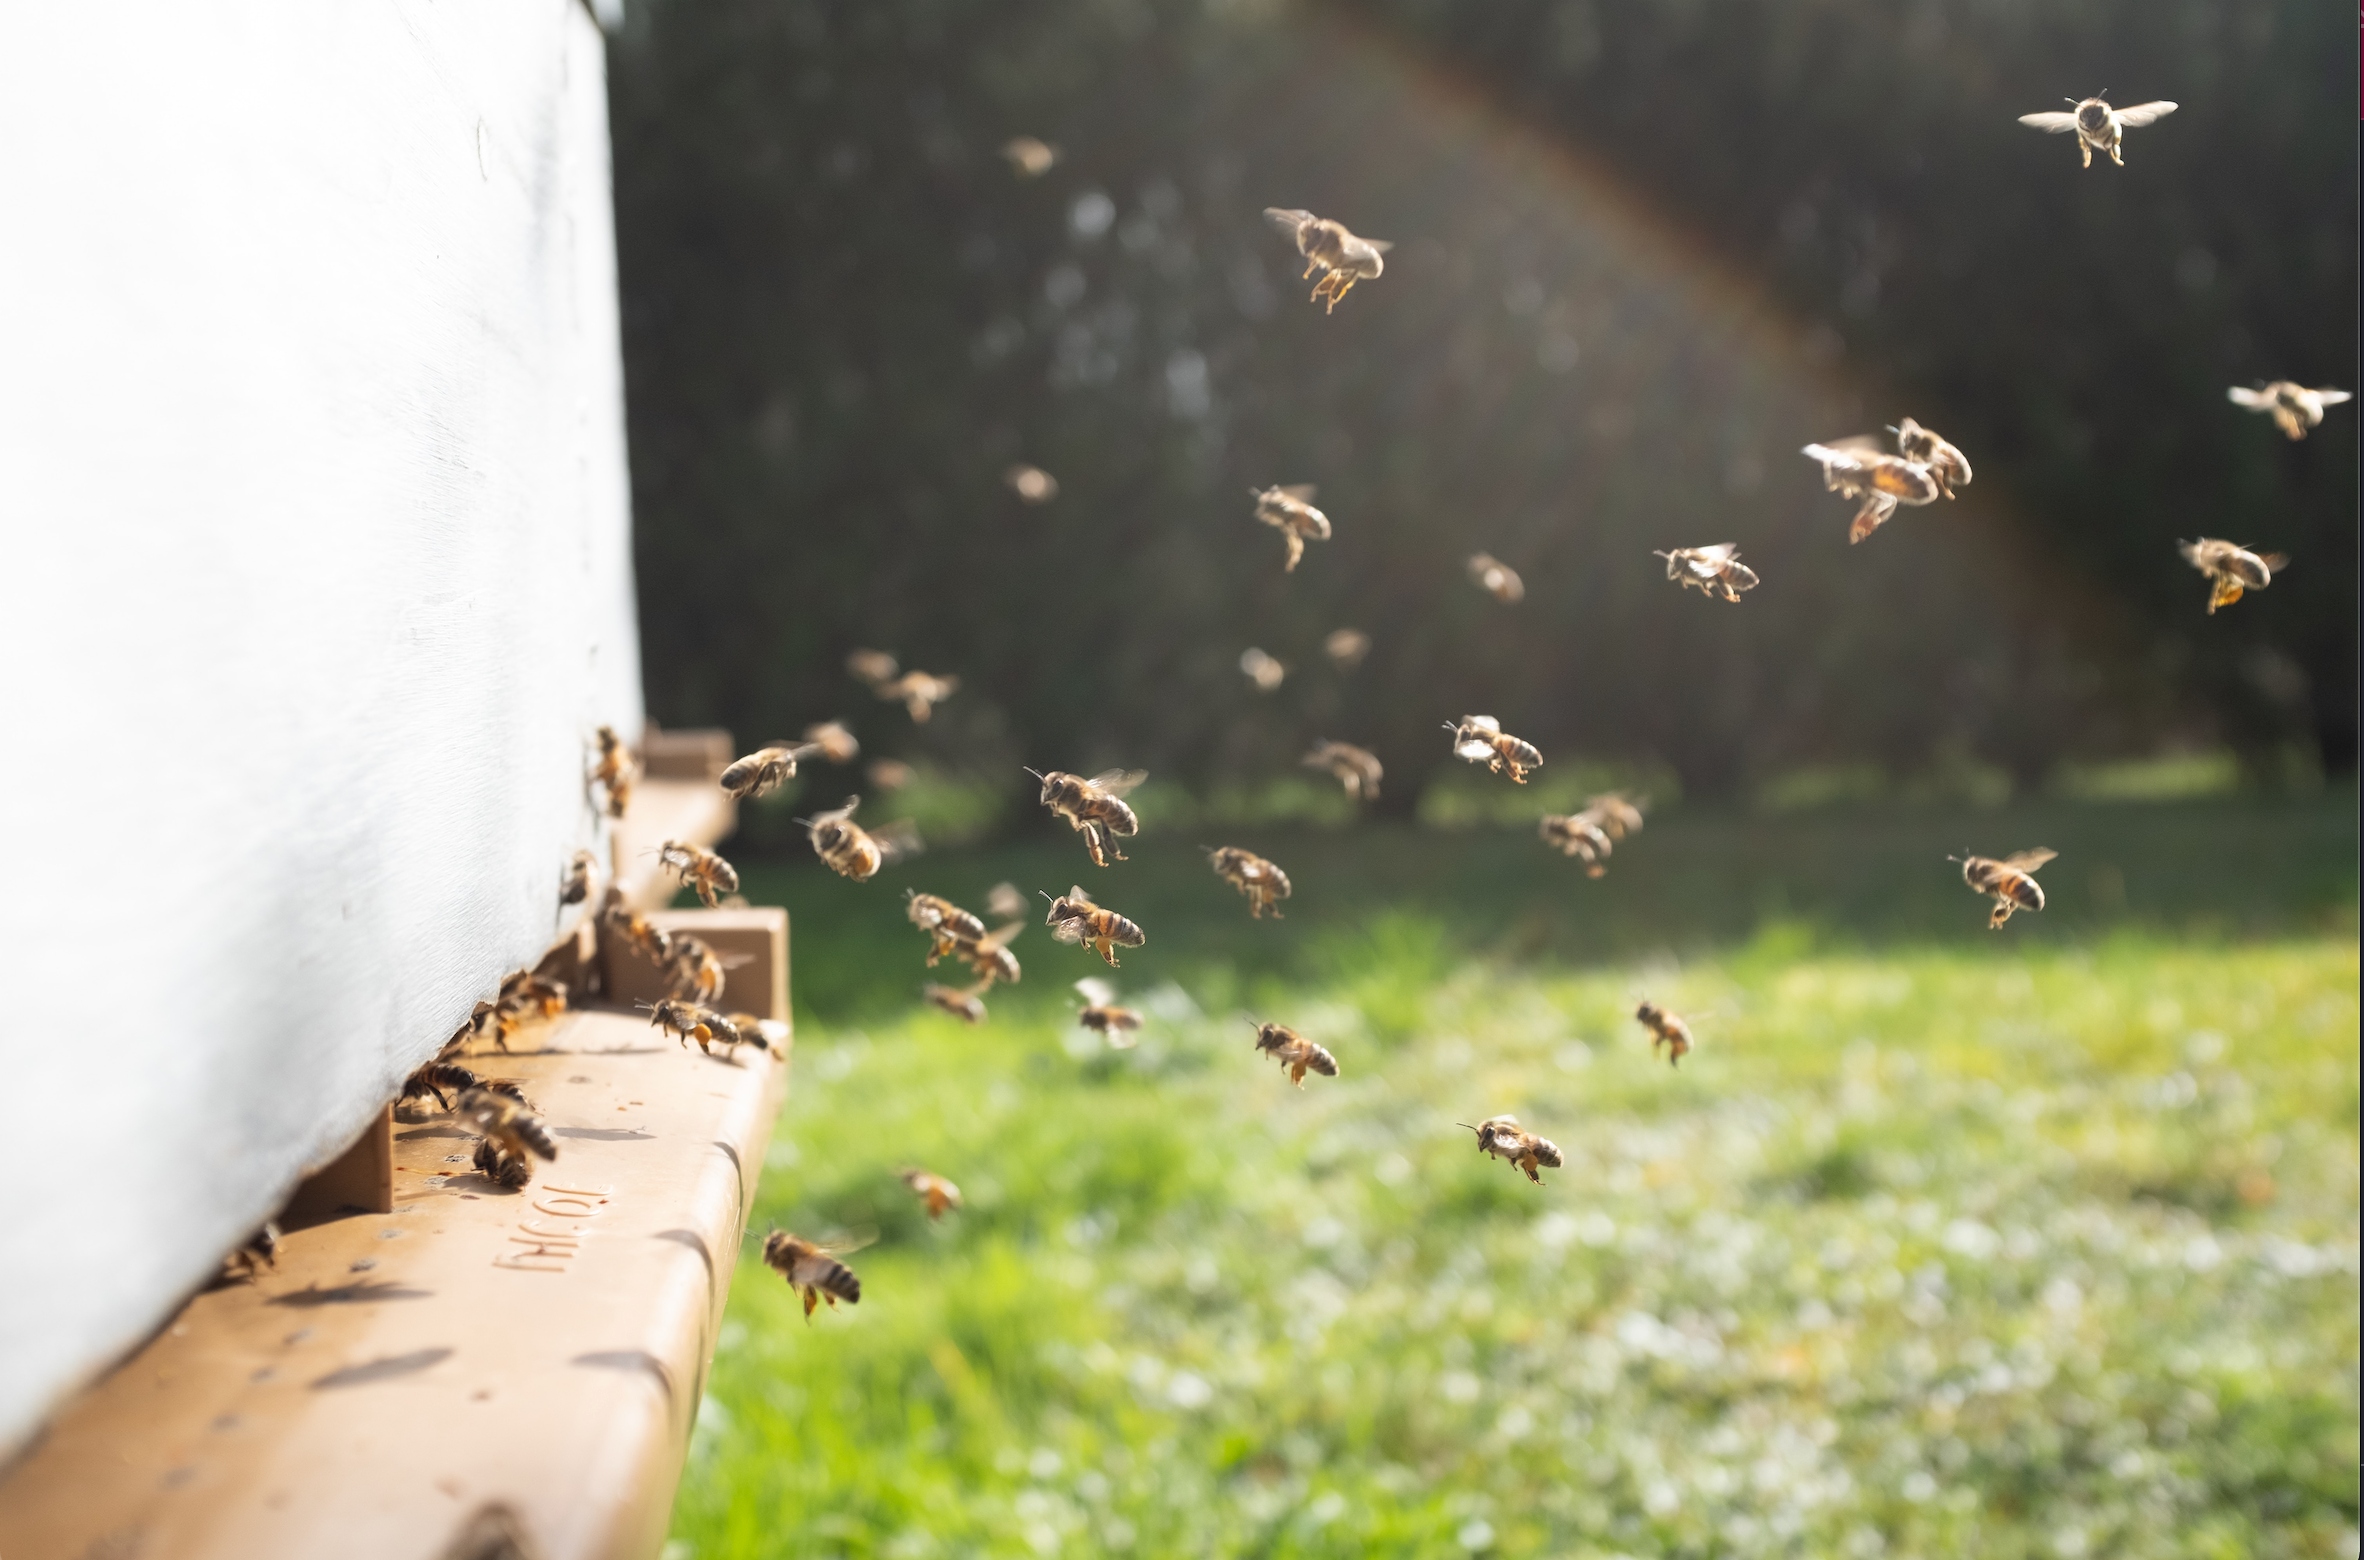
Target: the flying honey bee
(614, 771)
(1357, 769)
(489, 1021)
(1261, 669)
(831, 742)
(1094, 808)
(967, 1003)
(1711, 571)
(2099, 127)
(1075, 919)
(1496, 578)
(920, 693)
(690, 1021)
(503, 1120)
(1289, 510)
(1948, 467)
(651, 941)
(1003, 902)
(1264, 884)
(1857, 468)
(524, 992)
(2231, 570)
(1505, 1139)
(2010, 882)
(699, 868)
(1341, 257)
(765, 1034)
(1347, 647)
(1028, 157)
(1100, 1013)
(766, 769)
(1032, 484)
(1665, 1029)
(890, 774)
(872, 667)
(1616, 813)
(812, 1270)
(695, 972)
(1296, 1054)
(1480, 739)
(853, 851)
(933, 1190)
(944, 922)
(1577, 834)
(989, 955)
(2295, 408)
(575, 887)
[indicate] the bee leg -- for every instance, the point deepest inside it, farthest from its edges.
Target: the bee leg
(1310, 267)
(811, 1297)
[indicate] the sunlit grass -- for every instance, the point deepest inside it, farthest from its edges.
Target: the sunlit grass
(1992, 1245)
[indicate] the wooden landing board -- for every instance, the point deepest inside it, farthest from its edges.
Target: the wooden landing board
(479, 1373)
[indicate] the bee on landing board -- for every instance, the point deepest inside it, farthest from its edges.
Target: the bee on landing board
(255, 1253)
(1341, 257)
(1858, 468)
(523, 994)
(614, 771)
(2010, 882)
(699, 868)
(435, 1077)
(1116, 1025)
(945, 922)
(2295, 408)
(1711, 571)
(1357, 769)
(853, 851)
(2099, 127)
(1480, 739)
(1075, 919)
(1496, 578)
(1505, 1139)
(1289, 510)
(766, 769)
(1296, 1054)
(1346, 647)
(575, 886)
(812, 1270)
(1948, 467)
(1666, 1029)
(1264, 884)
(510, 1131)
(489, 1021)
(832, 743)
(1577, 834)
(967, 1003)
(933, 1190)
(2231, 569)
(1094, 808)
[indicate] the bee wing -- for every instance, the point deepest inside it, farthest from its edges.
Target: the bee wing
(899, 839)
(1472, 751)
(2142, 113)
(1077, 894)
(2255, 400)
(1300, 491)
(1116, 782)
(1000, 937)
(2028, 860)
(2330, 397)
(1721, 552)
(1383, 245)
(2275, 562)
(2052, 124)
(1096, 991)
(1285, 219)
(844, 1243)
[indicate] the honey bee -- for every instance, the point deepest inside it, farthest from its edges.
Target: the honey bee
(524, 992)
(2230, 569)
(503, 1120)
(615, 771)
(253, 1254)
(1075, 919)
(1577, 834)
(1296, 1054)
(945, 922)
(2010, 882)
(1665, 1029)
(2295, 408)
(853, 851)
(1481, 739)
(1003, 902)
(651, 941)
(1617, 815)
(1857, 468)
(1347, 647)
(1505, 1139)
(1341, 257)
(1948, 467)
(489, 1021)
(872, 667)
(933, 1190)
(966, 1003)
(1264, 884)
(2099, 127)
(575, 887)
(831, 742)
(435, 1077)
(765, 1034)
(501, 1166)
(1114, 1024)
(695, 972)
(699, 868)
(766, 769)
(1032, 484)
(920, 693)
(890, 774)
(689, 1021)
(1094, 808)
(812, 1270)
(1496, 578)
(1357, 769)
(990, 954)
(1261, 669)
(1711, 571)
(1288, 509)
(1029, 159)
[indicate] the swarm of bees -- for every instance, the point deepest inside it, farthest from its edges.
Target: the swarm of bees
(1666, 1029)
(2099, 127)
(1264, 884)
(2295, 408)
(1094, 808)
(2010, 882)
(1290, 510)
(1496, 578)
(1480, 739)
(1711, 571)
(1505, 1139)
(1296, 1054)
(2231, 569)
(1100, 1014)
(1357, 769)
(1340, 257)
(1075, 919)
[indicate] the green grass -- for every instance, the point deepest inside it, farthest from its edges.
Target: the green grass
(2038, 1243)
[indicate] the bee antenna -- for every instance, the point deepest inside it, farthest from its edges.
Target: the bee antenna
(1034, 772)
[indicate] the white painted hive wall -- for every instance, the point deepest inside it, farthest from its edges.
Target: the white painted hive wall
(313, 492)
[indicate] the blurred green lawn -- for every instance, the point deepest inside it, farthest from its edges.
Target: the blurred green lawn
(2042, 1242)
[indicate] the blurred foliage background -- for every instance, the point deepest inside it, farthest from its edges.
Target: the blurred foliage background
(1643, 252)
